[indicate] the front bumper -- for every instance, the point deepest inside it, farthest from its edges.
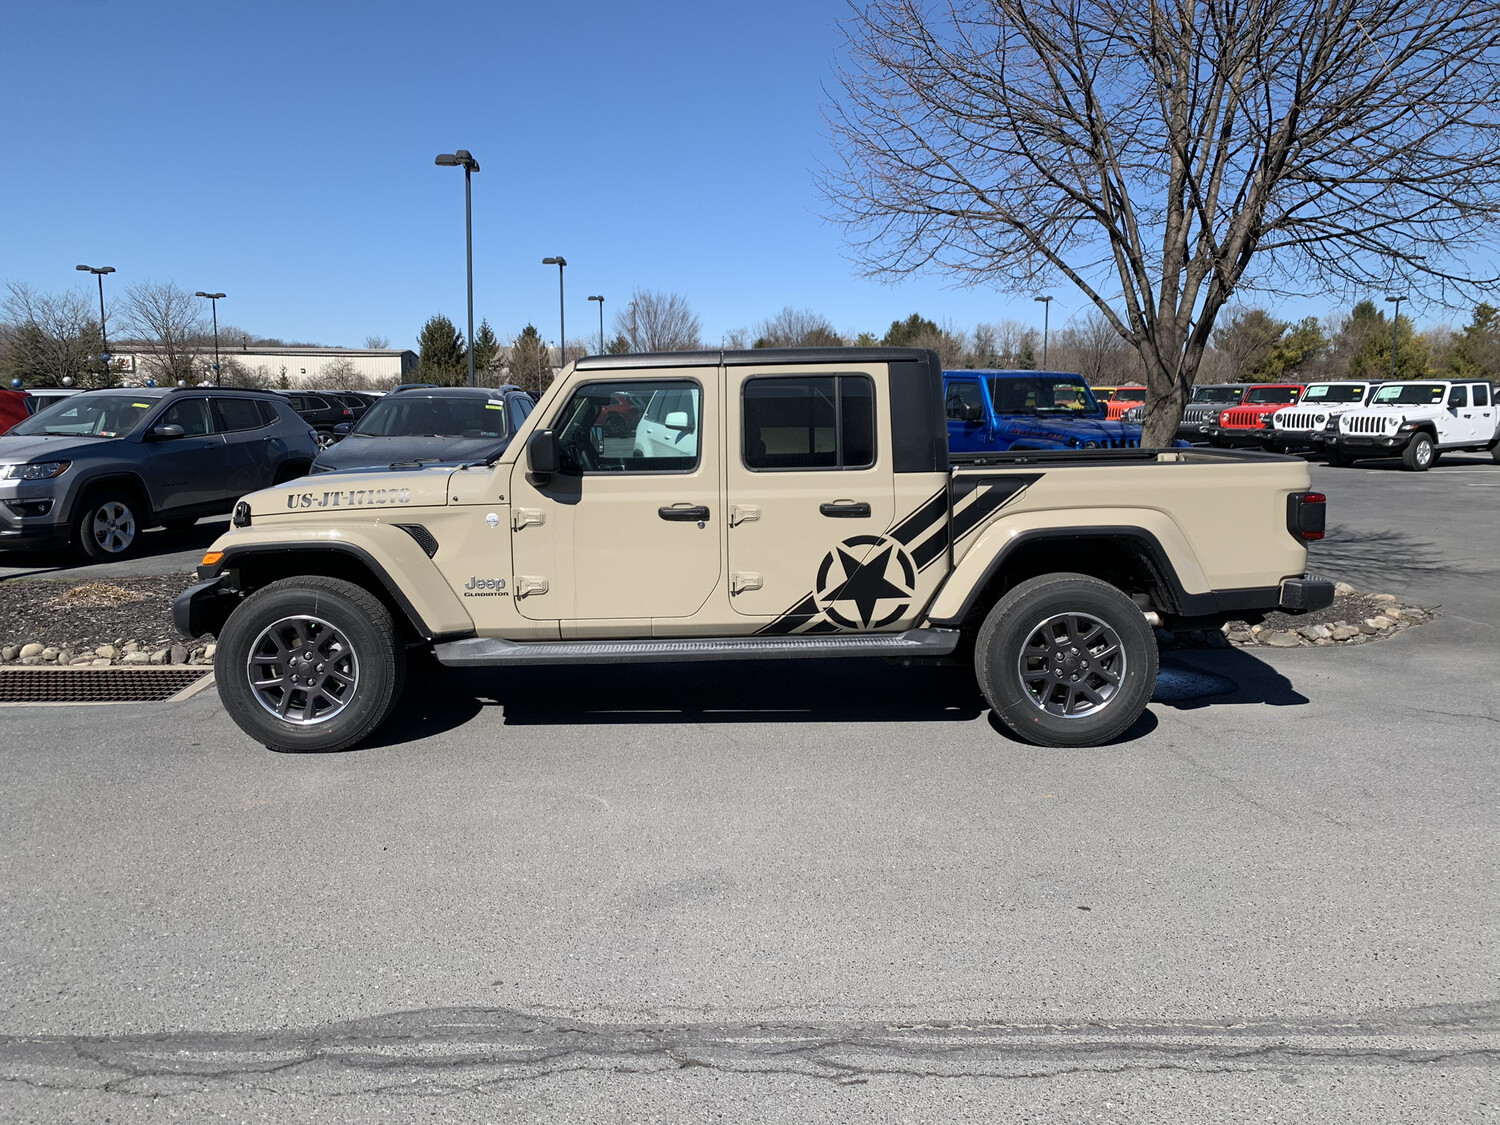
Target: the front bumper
(1239, 436)
(1307, 593)
(1388, 444)
(204, 607)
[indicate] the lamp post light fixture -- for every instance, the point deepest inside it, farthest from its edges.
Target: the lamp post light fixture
(99, 272)
(1046, 315)
(214, 299)
(465, 160)
(600, 299)
(1395, 327)
(562, 316)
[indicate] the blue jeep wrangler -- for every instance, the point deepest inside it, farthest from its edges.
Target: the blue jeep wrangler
(990, 411)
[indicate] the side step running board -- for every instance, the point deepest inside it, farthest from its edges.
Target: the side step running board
(481, 652)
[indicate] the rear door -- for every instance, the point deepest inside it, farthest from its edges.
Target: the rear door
(630, 529)
(1483, 406)
(810, 494)
(252, 447)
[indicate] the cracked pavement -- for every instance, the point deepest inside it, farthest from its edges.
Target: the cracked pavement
(750, 893)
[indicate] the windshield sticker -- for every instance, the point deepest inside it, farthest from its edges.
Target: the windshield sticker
(354, 498)
(493, 406)
(142, 405)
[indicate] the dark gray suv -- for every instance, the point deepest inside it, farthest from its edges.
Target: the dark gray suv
(100, 467)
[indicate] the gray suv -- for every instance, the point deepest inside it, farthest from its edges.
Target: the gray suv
(100, 467)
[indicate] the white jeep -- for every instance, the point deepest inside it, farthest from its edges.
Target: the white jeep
(1307, 424)
(1419, 421)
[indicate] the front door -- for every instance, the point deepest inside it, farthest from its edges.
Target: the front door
(188, 471)
(810, 495)
(968, 419)
(630, 527)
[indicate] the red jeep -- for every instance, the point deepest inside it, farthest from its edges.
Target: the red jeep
(13, 408)
(1122, 400)
(1249, 422)
(620, 417)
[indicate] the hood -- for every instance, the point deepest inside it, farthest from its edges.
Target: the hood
(382, 490)
(51, 447)
(378, 453)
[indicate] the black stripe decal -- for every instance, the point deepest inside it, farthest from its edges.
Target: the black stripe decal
(800, 614)
(1001, 492)
(921, 521)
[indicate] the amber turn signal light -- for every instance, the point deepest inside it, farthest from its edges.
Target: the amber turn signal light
(212, 558)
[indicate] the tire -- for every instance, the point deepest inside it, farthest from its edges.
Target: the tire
(108, 525)
(356, 689)
(326, 439)
(1267, 446)
(615, 427)
(1419, 454)
(1031, 694)
(1495, 454)
(1338, 458)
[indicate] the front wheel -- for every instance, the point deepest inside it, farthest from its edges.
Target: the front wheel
(1419, 453)
(1338, 458)
(108, 526)
(1066, 660)
(309, 664)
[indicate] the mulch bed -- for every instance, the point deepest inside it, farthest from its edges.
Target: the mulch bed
(52, 612)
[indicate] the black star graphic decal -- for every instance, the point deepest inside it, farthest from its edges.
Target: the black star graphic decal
(864, 585)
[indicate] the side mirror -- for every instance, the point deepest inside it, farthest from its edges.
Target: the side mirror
(343, 428)
(973, 412)
(166, 433)
(678, 420)
(542, 453)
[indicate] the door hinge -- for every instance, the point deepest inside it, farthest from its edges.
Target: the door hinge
(742, 580)
(528, 584)
(743, 513)
(520, 517)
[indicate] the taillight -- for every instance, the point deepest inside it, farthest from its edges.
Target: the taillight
(1306, 515)
(348, 413)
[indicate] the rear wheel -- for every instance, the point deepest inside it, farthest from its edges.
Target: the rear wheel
(1066, 660)
(1419, 454)
(108, 525)
(1338, 458)
(310, 664)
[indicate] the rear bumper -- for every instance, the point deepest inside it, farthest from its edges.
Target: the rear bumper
(1307, 593)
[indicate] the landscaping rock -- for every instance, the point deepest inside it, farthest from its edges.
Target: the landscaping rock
(1394, 613)
(86, 658)
(10, 652)
(37, 659)
(1383, 597)
(136, 658)
(106, 652)
(1314, 632)
(1344, 632)
(129, 647)
(1368, 629)
(1242, 637)
(100, 662)
(32, 649)
(1381, 622)
(1281, 640)
(159, 656)
(1342, 589)
(208, 653)
(178, 654)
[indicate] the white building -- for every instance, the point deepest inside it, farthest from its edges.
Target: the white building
(300, 366)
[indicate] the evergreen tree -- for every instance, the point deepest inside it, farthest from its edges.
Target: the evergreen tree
(1476, 354)
(904, 333)
(486, 349)
(1026, 361)
(442, 357)
(618, 346)
(1300, 344)
(530, 365)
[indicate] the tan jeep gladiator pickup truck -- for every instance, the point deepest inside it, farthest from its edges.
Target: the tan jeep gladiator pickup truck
(748, 505)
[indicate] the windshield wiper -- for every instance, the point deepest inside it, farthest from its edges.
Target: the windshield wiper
(415, 463)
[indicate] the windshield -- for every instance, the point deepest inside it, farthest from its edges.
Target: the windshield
(1408, 394)
(414, 415)
(1130, 394)
(87, 415)
(1335, 392)
(1272, 394)
(1043, 395)
(1217, 394)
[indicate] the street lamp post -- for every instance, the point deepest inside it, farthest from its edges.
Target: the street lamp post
(562, 316)
(1395, 327)
(465, 160)
(99, 272)
(214, 300)
(600, 299)
(1046, 315)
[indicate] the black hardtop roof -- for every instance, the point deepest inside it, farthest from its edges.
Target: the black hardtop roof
(162, 392)
(756, 357)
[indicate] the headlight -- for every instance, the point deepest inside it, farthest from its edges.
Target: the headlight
(36, 470)
(1091, 445)
(1224, 418)
(1319, 419)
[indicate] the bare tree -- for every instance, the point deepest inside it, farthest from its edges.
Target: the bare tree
(377, 343)
(1095, 350)
(1162, 156)
(49, 337)
(169, 321)
(796, 328)
(658, 322)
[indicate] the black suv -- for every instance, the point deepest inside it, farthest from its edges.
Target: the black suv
(102, 466)
(322, 410)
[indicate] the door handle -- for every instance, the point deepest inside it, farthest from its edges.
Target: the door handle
(846, 509)
(684, 515)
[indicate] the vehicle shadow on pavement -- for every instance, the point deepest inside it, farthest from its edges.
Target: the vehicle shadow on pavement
(153, 544)
(1194, 678)
(812, 691)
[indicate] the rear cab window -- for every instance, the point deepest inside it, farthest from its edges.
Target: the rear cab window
(808, 422)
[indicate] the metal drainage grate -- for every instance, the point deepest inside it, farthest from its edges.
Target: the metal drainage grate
(95, 685)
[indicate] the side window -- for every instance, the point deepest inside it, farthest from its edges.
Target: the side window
(631, 427)
(189, 413)
(268, 412)
(313, 402)
(1481, 394)
(1457, 397)
(237, 414)
(809, 422)
(962, 400)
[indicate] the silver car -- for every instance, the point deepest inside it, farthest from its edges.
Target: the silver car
(98, 468)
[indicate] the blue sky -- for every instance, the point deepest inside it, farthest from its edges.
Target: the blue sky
(282, 153)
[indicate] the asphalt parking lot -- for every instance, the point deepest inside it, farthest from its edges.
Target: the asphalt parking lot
(800, 893)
